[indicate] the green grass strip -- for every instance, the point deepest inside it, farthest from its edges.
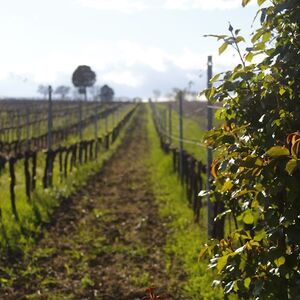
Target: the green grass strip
(185, 238)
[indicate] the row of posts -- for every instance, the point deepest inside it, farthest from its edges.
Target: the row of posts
(80, 119)
(27, 130)
(20, 130)
(210, 211)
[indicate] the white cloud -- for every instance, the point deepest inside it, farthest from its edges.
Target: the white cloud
(134, 53)
(127, 78)
(189, 60)
(131, 67)
(201, 4)
(3, 74)
(127, 6)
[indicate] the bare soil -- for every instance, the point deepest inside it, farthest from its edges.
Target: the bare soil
(106, 242)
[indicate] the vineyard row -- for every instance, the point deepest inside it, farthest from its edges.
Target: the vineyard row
(63, 158)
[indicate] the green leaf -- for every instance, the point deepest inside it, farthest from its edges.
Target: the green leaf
(247, 282)
(282, 91)
(222, 261)
(277, 151)
(260, 236)
(218, 36)
(263, 15)
(212, 92)
(245, 2)
(256, 36)
(240, 193)
(279, 261)
(203, 252)
(239, 39)
(3, 280)
(209, 93)
(223, 214)
(87, 282)
(215, 78)
(266, 36)
(291, 166)
(260, 2)
(248, 218)
(223, 48)
(249, 57)
(260, 46)
(227, 186)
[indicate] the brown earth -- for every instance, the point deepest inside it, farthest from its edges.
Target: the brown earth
(107, 242)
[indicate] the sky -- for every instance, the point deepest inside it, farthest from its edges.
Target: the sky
(135, 46)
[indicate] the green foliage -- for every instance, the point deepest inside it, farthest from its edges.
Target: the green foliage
(257, 172)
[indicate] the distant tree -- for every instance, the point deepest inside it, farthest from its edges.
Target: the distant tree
(43, 89)
(82, 78)
(62, 90)
(106, 93)
(190, 84)
(157, 94)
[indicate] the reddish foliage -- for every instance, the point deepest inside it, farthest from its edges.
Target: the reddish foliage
(151, 296)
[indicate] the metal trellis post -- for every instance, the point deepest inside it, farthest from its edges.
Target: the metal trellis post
(210, 212)
(180, 95)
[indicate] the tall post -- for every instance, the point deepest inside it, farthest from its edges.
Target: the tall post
(96, 116)
(180, 95)
(106, 123)
(12, 122)
(210, 213)
(118, 115)
(27, 127)
(18, 126)
(66, 124)
(113, 119)
(80, 120)
(50, 116)
(165, 114)
(85, 94)
(96, 122)
(170, 123)
(36, 127)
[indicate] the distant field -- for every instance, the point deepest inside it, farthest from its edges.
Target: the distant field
(195, 110)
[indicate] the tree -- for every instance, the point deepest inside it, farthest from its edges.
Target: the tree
(106, 93)
(62, 90)
(257, 171)
(82, 78)
(157, 94)
(43, 90)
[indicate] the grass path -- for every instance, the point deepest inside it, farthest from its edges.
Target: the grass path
(108, 241)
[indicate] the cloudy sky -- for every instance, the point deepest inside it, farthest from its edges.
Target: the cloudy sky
(135, 46)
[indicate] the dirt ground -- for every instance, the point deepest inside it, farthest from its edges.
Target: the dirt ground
(107, 242)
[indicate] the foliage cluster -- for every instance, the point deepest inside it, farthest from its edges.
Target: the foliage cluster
(257, 172)
(106, 93)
